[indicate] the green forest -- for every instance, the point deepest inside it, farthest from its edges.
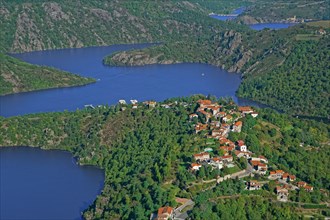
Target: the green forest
(17, 76)
(146, 152)
(187, 34)
(300, 85)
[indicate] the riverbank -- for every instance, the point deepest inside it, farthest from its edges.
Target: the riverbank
(17, 76)
(148, 149)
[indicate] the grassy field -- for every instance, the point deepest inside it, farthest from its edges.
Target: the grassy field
(323, 24)
(308, 37)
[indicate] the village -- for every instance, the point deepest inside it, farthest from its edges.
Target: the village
(213, 121)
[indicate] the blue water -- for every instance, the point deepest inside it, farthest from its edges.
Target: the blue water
(156, 82)
(37, 184)
(257, 27)
(274, 26)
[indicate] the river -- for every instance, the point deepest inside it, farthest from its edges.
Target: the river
(38, 184)
(156, 82)
(257, 27)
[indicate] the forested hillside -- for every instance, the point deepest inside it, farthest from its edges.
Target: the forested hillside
(187, 34)
(17, 76)
(300, 85)
(260, 57)
(146, 154)
(40, 25)
(268, 11)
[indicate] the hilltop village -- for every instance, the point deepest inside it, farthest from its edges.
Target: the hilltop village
(223, 158)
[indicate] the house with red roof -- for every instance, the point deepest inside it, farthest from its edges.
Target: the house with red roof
(241, 145)
(237, 127)
(301, 184)
(220, 114)
(202, 156)
(245, 109)
(227, 158)
(308, 188)
(245, 154)
(203, 103)
(292, 178)
(165, 213)
(195, 166)
(200, 127)
(282, 193)
(259, 167)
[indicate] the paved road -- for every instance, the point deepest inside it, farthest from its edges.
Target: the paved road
(178, 214)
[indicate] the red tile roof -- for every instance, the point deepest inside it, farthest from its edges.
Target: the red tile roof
(240, 143)
(238, 123)
(204, 102)
(195, 165)
(165, 210)
(245, 108)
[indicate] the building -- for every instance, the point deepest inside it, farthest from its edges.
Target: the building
(245, 109)
(282, 194)
(301, 184)
(204, 102)
(241, 146)
(285, 176)
(259, 167)
(292, 178)
(227, 118)
(253, 185)
(237, 127)
(202, 156)
(134, 101)
(245, 154)
(165, 213)
(200, 127)
(227, 158)
(195, 166)
(254, 114)
(322, 31)
(260, 158)
(308, 188)
(122, 102)
(192, 116)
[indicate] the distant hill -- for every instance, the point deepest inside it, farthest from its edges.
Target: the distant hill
(187, 34)
(269, 11)
(40, 25)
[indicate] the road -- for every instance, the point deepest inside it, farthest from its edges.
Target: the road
(178, 214)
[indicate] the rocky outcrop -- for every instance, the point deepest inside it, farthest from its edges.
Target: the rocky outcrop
(243, 59)
(54, 11)
(137, 58)
(247, 19)
(27, 29)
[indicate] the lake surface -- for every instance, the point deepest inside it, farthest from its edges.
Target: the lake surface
(157, 82)
(38, 184)
(257, 27)
(274, 26)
